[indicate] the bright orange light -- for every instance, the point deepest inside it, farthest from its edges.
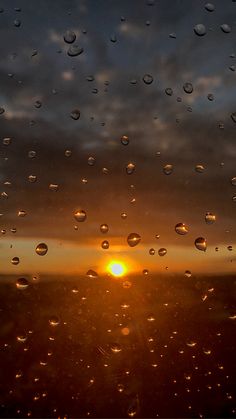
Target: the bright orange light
(116, 268)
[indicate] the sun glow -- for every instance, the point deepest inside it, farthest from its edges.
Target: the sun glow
(116, 268)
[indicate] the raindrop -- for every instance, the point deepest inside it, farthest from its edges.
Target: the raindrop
(21, 213)
(162, 251)
(123, 215)
(210, 218)
(200, 244)
(230, 248)
(147, 79)
(130, 168)
(17, 23)
(168, 169)
(210, 97)
(145, 272)
(7, 141)
(210, 7)
(91, 161)
(152, 252)
(37, 104)
(90, 78)
(199, 168)
(181, 228)
(32, 154)
(54, 321)
(80, 215)
(234, 198)
(92, 274)
(32, 178)
(188, 88)
(225, 28)
(105, 244)
(75, 114)
(200, 29)
(41, 249)
(104, 228)
(15, 260)
(68, 153)
(53, 187)
(233, 181)
(133, 239)
(169, 91)
(22, 283)
(74, 51)
(115, 348)
(69, 37)
(188, 274)
(113, 38)
(124, 140)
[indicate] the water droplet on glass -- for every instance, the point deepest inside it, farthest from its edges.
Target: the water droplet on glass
(15, 260)
(37, 104)
(22, 283)
(32, 178)
(7, 141)
(124, 140)
(91, 161)
(123, 215)
(162, 251)
(115, 348)
(181, 228)
(230, 248)
(147, 79)
(104, 228)
(41, 249)
(200, 29)
(105, 244)
(54, 321)
(210, 97)
(113, 38)
(168, 169)
(91, 274)
(169, 91)
(225, 28)
(145, 272)
(2, 110)
(130, 168)
(152, 252)
(21, 213)
(133, 239)
(74, 51)
(80, 215)
(210, 7)
(233, 116)
(188, 274)
(199, 168)
(75, 114)
(210, 218)
(188, 87)
(53, 187)
(201, 244)
(69, 37)
(233, 181)
(32, 154)
(17, 23)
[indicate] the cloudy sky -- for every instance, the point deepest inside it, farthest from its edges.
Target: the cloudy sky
(127, 53)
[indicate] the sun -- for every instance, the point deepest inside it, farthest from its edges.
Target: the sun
(116, 268)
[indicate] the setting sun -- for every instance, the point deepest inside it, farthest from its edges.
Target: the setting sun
(116, 268)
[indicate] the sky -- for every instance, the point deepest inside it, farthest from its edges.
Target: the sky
(41, 85)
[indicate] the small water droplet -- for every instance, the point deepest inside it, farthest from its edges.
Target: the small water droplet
(32, 178)
(147, 79)
(210, 218)
(69, 37)
(169, 91)
(162, 251)
(181, 228)
(75, 50)
(80, 215)
(105, 244)
(38, 104)
(233, 116)
(22, 283)
(200, 29)
(168, 169)
(53, 187)
(133, 239)
(199, 168)
(152, 252)
(7, 141)
(210, 97)
(233, 181)
(91, 161)
(75, 114)
(210, 7)
(41, 249)
(104, 228)
(113, 38)
(130, 168)
(225, 28)
(188, 274)
(15, 260)
(17, 23)
(91, 274)
(188, 87)
(124, 140)
(21, 213)
(54, 321)
(201, 244)
(230, 248)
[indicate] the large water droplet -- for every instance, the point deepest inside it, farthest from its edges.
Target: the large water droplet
(133, 239)
(201, 244)
(181, 228)
(225, 28)
(74, 51)
(152, 251)
(41, 249)
(80, 215)
(200, 29)
(105, 244)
